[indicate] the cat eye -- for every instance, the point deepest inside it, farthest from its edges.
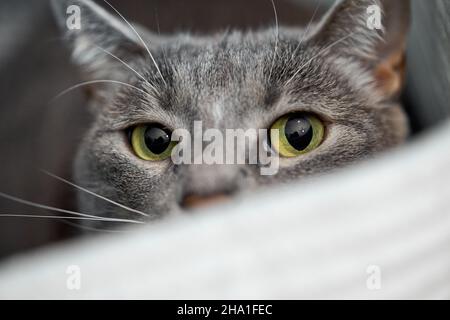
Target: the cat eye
(299, 133)
(152, 142)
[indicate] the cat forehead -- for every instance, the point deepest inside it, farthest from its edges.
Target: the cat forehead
(216, 52)
(247, 63)
(208, 69)
(228, 60)
(242, 73)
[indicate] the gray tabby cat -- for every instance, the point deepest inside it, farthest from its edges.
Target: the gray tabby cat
(338, 75)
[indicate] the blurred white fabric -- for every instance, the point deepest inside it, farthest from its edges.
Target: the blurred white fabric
(380, 230)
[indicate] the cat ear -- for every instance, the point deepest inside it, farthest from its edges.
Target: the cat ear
(373, 34)
(96, 36)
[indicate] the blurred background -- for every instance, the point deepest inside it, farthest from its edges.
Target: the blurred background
(35, 67)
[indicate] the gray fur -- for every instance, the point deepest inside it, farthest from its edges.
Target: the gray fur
(229, 80)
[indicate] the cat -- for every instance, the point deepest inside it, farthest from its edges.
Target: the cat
(337, 79)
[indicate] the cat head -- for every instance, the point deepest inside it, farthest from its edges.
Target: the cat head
(331, 89)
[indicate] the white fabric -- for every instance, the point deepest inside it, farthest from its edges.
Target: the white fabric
(312, 240)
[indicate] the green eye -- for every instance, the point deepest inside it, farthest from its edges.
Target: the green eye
(299, 133)
(152, 142)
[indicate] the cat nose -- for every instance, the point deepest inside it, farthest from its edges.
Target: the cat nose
(201, 201)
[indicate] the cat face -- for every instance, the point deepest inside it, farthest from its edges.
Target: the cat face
(339, 76)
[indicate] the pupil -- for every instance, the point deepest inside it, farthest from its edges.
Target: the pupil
(157, 140)
(299, 132)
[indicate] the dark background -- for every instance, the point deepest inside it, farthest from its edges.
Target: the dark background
(35, 67)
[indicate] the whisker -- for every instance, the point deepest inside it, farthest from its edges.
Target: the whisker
(277, 36)
(87, 83)
(93, 193)
(79, 214)
(7, 215)
(126, 65)
(307, 29)
(142, 41)
(317, 55)
(166, 62)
